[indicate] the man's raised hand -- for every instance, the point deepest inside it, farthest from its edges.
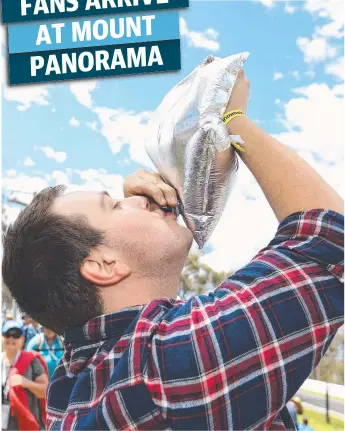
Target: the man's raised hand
(151, 185)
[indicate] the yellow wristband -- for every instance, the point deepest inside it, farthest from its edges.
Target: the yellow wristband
(228, 116)
(237, 146)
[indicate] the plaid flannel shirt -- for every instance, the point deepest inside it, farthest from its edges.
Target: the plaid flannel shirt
(229, 360)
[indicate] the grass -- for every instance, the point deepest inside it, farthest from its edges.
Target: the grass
(317, 421)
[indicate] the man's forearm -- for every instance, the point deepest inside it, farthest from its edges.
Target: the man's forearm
(289, 183)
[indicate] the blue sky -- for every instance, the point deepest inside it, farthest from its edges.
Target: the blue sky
(91, 133)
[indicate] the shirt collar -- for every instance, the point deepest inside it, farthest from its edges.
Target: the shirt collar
(106, 326)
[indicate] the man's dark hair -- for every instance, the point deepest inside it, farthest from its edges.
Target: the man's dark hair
(305, 421)
(42, 256)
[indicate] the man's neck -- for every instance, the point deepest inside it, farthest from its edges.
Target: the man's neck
(138, 291)
(50, 340)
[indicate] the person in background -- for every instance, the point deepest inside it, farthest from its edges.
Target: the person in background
(6, 316)
(305, 426)
(50, 346)
(24, 381)
(295, 408)
(35, 329)
(9, 316)
(29, 331)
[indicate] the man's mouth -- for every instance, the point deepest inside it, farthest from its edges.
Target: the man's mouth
(171, 210)
(165, 211)
(170, 215)
(164, 214)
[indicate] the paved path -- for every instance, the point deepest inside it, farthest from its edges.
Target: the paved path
(335, 406)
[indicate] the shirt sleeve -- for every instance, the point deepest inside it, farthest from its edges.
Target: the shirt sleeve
(37, 369)
(253, 342)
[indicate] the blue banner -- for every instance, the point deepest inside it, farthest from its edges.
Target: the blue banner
(36, 10)
(93, 32)
(94, 62)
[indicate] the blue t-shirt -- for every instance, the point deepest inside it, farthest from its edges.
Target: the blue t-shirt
(50, 353)
(30, 332)
(303, 427)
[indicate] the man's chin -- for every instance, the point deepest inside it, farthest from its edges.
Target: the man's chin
(188, 236)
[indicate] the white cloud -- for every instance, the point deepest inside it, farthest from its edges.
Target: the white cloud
(124, 162)
(26, 96)
(336, 68)
(82, 91)
(58, 156)
(277, 76)
(74, 122)
(11, 172)
(267, 3)
(121, 127)
(317, 101)
(206, 39)
(24, 186)
(295, 74)
(333, 10)
(310, 74)
(60, 177)
(289, 8)
(211, 32)
(92, 125)
(338, 90)
(29, 162)
(320, 47)
(98, 180)
(10, 213)
(316, 49)
(246, 226)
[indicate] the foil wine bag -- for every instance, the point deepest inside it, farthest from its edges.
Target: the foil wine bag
(190, 145)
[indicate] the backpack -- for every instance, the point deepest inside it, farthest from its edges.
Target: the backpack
(41, 342)
(18, 398)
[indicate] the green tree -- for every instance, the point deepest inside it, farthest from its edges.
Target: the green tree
(198, 278)
(331, 366)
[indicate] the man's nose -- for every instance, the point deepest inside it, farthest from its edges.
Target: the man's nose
(136, 202)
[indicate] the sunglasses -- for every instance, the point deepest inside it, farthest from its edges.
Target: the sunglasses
(13, 333)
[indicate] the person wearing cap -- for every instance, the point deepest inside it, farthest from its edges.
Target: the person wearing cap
(24, 382)
(9, 316)
(6, 317)
(31, 329)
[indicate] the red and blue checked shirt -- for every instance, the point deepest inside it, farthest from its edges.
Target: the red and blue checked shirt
(229, 360)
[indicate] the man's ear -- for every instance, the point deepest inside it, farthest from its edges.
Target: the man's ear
(102, 267)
